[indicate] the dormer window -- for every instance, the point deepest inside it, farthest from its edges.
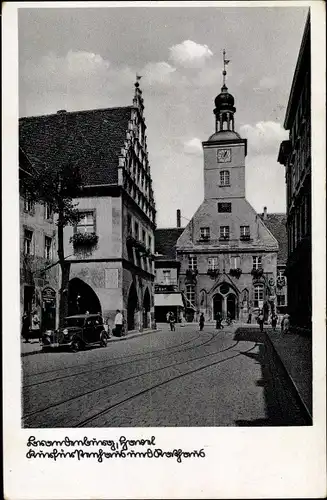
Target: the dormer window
(205, 233)
(224, 233)
(245, 232)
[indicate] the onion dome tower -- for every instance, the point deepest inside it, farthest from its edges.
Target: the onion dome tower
(224, 111)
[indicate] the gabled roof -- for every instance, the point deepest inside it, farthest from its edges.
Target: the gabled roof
(165, 241)
(92, 138)
(276, 223)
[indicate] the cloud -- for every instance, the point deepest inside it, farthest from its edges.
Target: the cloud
(77, 80)
(264, 137)
(72, 66)
(160, 72)
(193, 146)
(190, 54)
(266, 83)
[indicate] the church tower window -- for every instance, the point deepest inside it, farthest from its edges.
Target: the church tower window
(224, 207)
(224, 178)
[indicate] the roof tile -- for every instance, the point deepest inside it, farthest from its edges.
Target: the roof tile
(165, 241)
(92, 138)
(276, 223)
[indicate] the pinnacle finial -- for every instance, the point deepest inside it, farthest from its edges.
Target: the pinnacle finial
(138, 78)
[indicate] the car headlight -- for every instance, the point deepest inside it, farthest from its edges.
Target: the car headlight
(65, 331)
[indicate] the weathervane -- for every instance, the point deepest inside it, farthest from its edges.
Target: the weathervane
(225, 62)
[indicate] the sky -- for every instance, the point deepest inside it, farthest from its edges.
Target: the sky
(87, 58)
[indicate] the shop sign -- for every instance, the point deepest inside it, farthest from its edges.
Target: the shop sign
(48, 294)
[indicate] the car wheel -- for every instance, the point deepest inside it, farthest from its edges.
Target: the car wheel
(76, 345)
(103, 339)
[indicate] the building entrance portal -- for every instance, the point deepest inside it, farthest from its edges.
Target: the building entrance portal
(225, 301)
(82, 298)
(131, 308)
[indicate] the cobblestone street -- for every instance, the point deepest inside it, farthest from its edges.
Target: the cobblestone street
(230, 377)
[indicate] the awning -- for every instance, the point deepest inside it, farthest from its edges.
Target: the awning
(168, 299)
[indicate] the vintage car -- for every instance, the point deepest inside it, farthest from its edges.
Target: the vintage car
(78, 332)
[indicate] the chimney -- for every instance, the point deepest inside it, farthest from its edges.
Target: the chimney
(178, 218)
(264, 213)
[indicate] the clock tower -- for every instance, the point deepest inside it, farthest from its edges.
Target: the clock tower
(225, 151)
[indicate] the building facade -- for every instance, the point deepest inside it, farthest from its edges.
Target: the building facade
(228, 256)
(110, 250)
(295, 155)
(276, 223)
(168, 297)
(39, 280)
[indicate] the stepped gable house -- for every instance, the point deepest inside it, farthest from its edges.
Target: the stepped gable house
(111, 248)
(228, 256)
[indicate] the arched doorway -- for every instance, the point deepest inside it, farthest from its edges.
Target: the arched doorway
(225, 301)
(217, 305)
(146, 309)
(131, 307)
(82, 298)
(231, 305)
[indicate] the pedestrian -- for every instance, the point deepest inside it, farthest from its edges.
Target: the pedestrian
(168, 316)
(201, 322)
(118, 323)
(285, 324)
(36, 327)
(249, 321)
(261, 320)
(229, 320)
(26, 325)
(172, 322)
(107, 326)
(218, 320)
(274, 319)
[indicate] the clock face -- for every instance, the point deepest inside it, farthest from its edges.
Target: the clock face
(223, 155)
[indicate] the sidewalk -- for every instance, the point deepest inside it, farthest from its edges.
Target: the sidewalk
(295, 353)
(34, 346)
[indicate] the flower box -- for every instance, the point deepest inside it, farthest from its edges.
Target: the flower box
(257, 273)
(213, 273)
(191, 273)
(84, 240)
(236, 273)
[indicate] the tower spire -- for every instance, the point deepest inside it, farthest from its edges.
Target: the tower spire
(224, 110)
(225, 62)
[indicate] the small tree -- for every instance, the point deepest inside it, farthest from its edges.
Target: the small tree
(58, 182)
